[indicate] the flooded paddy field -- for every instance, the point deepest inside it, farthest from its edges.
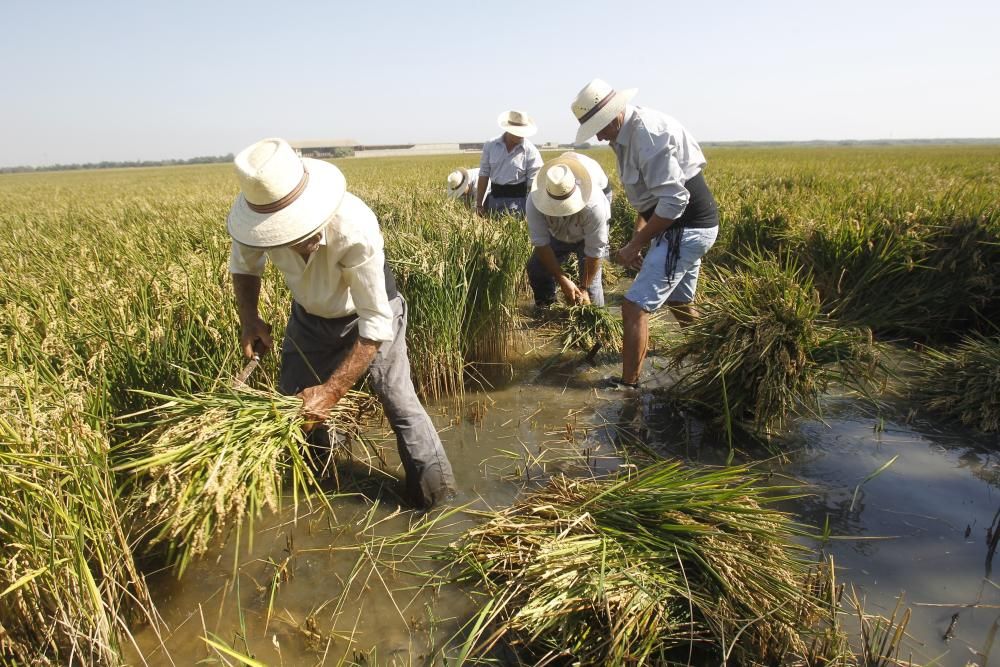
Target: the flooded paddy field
(922, 531)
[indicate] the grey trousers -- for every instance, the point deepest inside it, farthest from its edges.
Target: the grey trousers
(543, 284)
(311, 351)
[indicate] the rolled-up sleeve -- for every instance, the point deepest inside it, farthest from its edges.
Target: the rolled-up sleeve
(664, 178)
(363, 268)
(248, 261)
(538, 227)
(595, 227)
(484, 161)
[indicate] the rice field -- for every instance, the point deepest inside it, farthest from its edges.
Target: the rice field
(117, 316)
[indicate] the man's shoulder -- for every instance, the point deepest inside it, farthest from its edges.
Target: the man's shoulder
(354, 220)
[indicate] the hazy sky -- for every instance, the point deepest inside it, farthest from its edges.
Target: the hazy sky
(85, 81)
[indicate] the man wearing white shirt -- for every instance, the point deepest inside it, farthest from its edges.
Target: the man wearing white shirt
(347, 317)
(566, 214)
(508, 166)
(660, 165)
(462, 184)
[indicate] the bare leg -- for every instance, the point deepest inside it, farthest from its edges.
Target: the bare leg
(684, 313)
(636, 340)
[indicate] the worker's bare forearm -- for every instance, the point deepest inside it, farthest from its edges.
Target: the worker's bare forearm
(589, 270)
(481, 190)
(247, 291)
(355, 364)
(548, 259)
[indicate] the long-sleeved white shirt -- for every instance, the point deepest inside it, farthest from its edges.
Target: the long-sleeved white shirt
(345, 276)
(505, 167)
(656, 157)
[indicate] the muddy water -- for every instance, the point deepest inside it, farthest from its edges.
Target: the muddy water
(311, 592)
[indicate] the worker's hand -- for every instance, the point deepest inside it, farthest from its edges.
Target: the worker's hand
(584, 296)
(629, 256)
(316, 404)
(573, 294)
(255, 338)
(481, 210)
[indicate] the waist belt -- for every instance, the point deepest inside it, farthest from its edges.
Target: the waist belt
(509, 189)
(701, 211)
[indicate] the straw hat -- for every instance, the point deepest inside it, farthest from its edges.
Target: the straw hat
(458, 183)
(561, 187)
(283, 198)
(597, 105)
(517, 123)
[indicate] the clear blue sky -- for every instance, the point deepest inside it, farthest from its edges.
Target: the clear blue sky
(97, 80)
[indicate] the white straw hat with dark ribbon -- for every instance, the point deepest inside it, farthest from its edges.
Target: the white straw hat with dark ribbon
(562, 187)
(597, 105)
(458, 183)
(517, 123)
(283, 198)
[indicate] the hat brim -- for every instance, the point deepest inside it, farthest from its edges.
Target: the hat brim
(461, 189)
(547, 205)
(599, 120)
(301, 219)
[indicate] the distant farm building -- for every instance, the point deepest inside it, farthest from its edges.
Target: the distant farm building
(327, 148)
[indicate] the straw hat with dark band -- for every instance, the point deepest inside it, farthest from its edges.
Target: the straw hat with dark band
(597, 105)
(562, 187)
(458, 183)
(283, 198)
(517, 123)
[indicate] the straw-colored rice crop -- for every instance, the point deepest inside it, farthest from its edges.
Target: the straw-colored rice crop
(762, 350)
(210, 459)
(669, 565)
(962, 383)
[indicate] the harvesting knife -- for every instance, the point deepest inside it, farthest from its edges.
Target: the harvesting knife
(244, 374)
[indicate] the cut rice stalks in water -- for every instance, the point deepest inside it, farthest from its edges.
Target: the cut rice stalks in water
(762, 350)
(666, 565)
(585, 327)
(209, 459)
(963, 383)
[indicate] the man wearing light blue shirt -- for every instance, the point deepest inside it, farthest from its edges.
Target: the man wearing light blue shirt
(660, 165)
(568, 212)
(508, 165)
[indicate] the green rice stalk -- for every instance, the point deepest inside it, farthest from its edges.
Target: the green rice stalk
(587, 327)
(208, 460)
(763, 351)
(963, 383)
(661, 566)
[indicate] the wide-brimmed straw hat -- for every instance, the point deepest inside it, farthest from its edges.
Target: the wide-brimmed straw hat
(517, 123)
(561, 187)
(458, 183)
(283, 198)
(597, 105)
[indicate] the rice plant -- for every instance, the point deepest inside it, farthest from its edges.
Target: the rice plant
(667, 565)
(587, 328)
(963, 382)
(762, 350)
(206, 461)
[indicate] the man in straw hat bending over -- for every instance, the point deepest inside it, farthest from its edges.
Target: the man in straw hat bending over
(508, 165)
(660, 165)
(462, 183)
(347, 317)
(568, 212)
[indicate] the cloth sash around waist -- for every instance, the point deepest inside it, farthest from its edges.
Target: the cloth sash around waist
(701, 212)
(509, 189)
